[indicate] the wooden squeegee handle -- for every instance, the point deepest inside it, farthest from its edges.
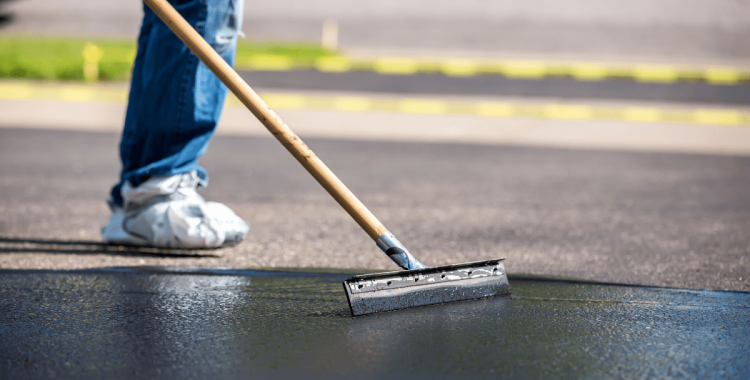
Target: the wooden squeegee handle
(258, 107)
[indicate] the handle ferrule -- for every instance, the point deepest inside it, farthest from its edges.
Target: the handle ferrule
(397, 252)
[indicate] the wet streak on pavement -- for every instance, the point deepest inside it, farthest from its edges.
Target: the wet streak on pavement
(125, 323)
(499, 86)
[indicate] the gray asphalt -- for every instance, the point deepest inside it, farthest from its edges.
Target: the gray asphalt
(640, 218)
(148, 323)
(703, 31)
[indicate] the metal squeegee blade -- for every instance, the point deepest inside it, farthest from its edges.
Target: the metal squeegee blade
(399, 290)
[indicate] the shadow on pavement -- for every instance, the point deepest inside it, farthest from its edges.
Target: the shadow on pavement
(85, 247)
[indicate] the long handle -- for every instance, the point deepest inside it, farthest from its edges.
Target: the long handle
(369, 223)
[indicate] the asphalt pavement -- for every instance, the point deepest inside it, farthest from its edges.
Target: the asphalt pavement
(183, 324)
(610, 199)
(662, 219)
(607, 222)
(655, 203)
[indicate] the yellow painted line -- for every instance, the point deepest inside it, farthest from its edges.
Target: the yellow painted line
(285, 101)
(417, 106)
(422, 106)
(396, 66)
(645, 114)
(461, 68)
(655, 73)
(723, 75)
(334, 64)
(64, 92)
(556, 111)
(521, 69)
(718, 117)
(495, 109)
(351, 104)
(589, 71)
(16, 91)
(268, 62)
(568, 111)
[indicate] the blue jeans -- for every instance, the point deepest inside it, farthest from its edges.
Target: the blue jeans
(175, 100)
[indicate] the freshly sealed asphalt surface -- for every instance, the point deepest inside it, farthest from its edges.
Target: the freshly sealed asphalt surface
(484, 85)
(151, 323)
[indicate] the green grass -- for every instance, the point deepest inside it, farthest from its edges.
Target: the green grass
(298, 52)
(62, 59)
(27, 57)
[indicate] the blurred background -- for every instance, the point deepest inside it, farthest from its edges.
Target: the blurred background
(670, 61)
(575, 137)
(672, 31)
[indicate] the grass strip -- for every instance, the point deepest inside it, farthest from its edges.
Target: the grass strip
(44, 58)
(62, 58)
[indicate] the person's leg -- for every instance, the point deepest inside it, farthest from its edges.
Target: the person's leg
(175, 101)
(174, 105)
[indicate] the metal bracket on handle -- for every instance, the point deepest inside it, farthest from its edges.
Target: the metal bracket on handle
(397, 252)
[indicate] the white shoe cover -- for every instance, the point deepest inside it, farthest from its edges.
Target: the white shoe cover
(168, 212)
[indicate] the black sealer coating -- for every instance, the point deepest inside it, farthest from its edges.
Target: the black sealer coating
(250, 324)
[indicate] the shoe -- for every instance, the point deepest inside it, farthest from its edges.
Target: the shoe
(167, 212)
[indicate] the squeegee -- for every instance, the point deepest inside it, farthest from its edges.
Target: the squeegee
(416, 285)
